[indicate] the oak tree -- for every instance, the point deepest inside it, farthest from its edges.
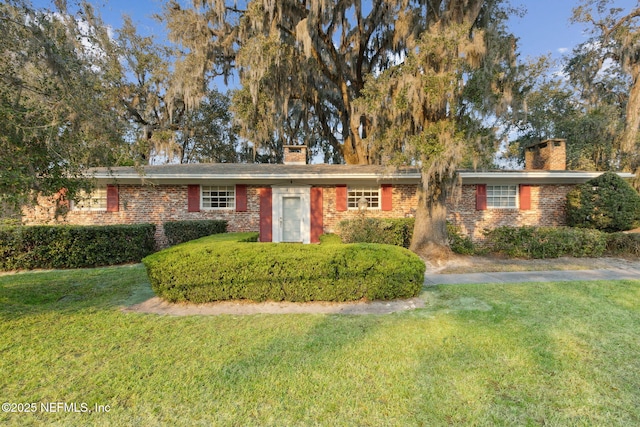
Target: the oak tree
(615, 42)
(435, 108)
(54, 122)
(309, 59)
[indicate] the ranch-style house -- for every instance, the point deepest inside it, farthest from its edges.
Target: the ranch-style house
(297, 202)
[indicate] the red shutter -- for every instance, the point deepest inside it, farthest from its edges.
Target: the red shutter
(481, 197)
(525, 197)
(265, 215)
(316, 214)
(387, 197)
(341, 197)
(61, 198)
(241, 198)
(193, 198)
(113, 199)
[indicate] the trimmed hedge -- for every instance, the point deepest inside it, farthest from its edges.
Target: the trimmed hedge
(606, 203)
(396, 231)
(182, 231)
(217, 268)
(546, 242)
(623, 244)
(63, 246)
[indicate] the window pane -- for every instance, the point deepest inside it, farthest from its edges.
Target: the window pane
(96, 200)
(370, 194)
(218, 197)
(502, 196)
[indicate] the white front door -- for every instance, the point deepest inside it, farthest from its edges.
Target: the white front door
(291, 213)
(291, 219)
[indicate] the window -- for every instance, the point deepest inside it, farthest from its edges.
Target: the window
(94, 201)
(370, 194)
(218, 197)
(502, 196)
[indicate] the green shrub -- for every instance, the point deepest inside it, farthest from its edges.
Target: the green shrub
(623, 244)
(183, 231)
(458, 242)
(545, 242)
(396, 231)
(63, 246)
(207, 270)
(330, 239)
(606, 203)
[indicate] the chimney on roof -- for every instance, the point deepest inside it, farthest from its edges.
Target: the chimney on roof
(550, 154)
(295, 154)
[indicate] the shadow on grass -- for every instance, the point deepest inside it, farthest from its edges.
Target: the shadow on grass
(288, 374)
(552, 353)
(36, 292)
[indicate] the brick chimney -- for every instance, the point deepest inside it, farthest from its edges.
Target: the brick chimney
(295, 154)
(550, 154)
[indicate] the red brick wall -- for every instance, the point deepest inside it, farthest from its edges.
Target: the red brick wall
(154, 204)
(159, 204)
(403, 202)
(550, 154)
(547, 209)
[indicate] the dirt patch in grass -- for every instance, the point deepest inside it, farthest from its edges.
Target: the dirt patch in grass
(159, 306)
(459, 264)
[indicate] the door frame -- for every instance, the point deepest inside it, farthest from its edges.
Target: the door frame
(291, 190)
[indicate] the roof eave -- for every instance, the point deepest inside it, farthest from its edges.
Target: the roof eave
(533, 177)
(467, 177)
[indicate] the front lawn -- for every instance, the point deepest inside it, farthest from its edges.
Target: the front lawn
(525, 354)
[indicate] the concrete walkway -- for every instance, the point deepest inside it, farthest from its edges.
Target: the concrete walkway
(532, 276)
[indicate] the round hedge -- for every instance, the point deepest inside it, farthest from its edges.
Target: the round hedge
(606, 203)
(219, 267)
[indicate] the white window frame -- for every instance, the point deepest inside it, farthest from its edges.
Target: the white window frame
(372, 194)
(229, 198)
(501, 193)
(97, 200)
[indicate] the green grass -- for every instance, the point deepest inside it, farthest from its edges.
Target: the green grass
(525, 354)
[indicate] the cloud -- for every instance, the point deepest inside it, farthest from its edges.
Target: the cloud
(563, 49)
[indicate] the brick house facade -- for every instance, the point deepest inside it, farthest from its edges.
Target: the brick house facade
(298, 202)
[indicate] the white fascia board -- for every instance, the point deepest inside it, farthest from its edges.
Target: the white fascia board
(534, 177)
(135, 178)
(467, 177)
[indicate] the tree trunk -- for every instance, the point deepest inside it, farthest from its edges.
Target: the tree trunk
(430, 230)
(352, 150)
(632, 122)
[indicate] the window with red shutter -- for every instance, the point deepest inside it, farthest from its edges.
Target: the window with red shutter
(265, 214)
(62, 200)
(241, 198)
(387, 197)
(113, 198)
(193, 198)
(316, 214)
(481, 197)
(525, 197)
(341, 197)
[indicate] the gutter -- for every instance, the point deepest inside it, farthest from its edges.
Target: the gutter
(467, 177)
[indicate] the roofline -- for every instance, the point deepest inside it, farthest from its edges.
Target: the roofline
(467, 177)
(541, 177)
(149, 175)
